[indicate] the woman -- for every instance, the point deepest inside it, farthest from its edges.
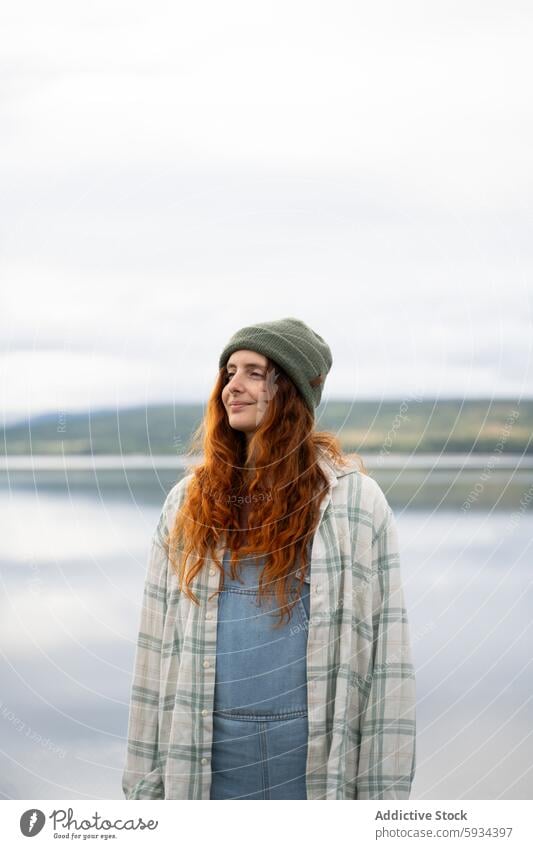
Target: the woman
(274, 524)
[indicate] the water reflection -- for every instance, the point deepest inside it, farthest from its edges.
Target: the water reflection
(73, 563)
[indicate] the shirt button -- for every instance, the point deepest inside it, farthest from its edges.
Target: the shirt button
(206, 663)
(204, 760)
(208, 615)
(212, 571)
(205, 712)
(318, 588)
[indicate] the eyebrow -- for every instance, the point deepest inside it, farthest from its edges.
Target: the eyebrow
(247, 365)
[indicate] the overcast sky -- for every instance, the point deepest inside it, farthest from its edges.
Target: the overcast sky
(173, 171)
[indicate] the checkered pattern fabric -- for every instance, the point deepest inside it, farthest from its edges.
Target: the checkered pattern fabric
(361, 681)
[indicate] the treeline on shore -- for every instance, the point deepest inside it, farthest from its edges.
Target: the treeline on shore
(369, 426)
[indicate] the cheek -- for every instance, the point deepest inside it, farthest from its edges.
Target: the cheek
(256, 390)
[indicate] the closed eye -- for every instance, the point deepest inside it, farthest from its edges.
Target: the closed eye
(254, 374)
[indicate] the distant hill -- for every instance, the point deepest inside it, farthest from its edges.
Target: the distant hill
(484, 425)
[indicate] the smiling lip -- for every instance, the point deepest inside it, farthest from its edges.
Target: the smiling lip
(239, 406)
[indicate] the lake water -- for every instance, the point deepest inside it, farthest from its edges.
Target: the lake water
(73, 554)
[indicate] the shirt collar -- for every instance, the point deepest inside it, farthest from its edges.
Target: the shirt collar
(331, 470)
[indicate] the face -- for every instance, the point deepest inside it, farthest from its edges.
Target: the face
(250, 386)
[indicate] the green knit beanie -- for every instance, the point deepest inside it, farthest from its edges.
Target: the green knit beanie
(290, 343)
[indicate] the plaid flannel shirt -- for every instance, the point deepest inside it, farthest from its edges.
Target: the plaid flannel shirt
(361, 682)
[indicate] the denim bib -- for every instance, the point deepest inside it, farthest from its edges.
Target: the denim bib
(260, 711)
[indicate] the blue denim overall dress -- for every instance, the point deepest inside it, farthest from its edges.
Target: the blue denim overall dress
(260, 713)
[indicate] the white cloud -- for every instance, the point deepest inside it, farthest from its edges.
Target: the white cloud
(170, 176)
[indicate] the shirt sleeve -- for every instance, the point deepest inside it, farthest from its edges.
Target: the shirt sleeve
(143, 777)
(387, 753)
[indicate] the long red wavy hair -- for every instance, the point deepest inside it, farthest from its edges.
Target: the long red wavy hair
(276, 473)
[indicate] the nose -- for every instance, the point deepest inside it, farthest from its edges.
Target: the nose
(232, 383)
